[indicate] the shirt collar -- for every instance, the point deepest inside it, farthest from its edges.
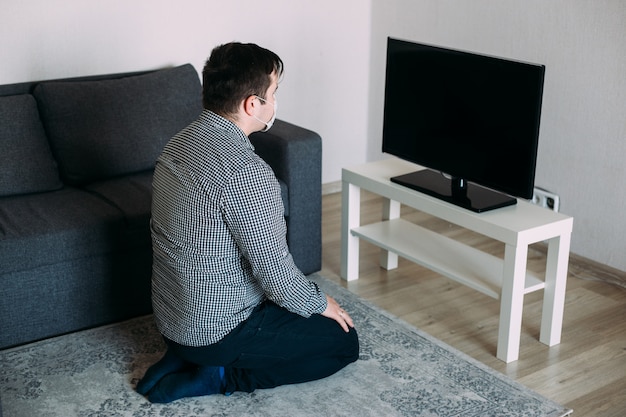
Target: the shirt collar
(216, 121)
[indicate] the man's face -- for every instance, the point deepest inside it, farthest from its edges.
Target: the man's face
(270, 97)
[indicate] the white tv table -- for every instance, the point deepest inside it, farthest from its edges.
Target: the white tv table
(508, 280)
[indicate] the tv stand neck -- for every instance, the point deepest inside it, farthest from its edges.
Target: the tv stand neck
(459, 189)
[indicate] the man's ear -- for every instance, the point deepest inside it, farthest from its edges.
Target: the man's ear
(249, 105)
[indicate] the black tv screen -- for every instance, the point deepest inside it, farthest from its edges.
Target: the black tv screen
(470, 118)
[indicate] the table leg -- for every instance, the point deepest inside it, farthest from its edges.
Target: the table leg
(554, 292)
(512, 302)
(391, 210)
(350, 218)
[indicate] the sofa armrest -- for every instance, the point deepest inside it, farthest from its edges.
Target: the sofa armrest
(295, 155)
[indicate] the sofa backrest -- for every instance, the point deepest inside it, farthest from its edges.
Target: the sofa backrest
(91, 128)
(26, 162)
(101, 129)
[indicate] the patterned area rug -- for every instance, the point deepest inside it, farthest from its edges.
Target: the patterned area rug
(401, 372)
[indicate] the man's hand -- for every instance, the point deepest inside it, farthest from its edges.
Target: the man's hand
(335, 312)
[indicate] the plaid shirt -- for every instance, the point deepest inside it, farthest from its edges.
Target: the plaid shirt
(218, 235)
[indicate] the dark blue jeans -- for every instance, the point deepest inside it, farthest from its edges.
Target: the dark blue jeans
(276, 347)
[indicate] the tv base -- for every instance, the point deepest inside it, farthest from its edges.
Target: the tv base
(454, 191)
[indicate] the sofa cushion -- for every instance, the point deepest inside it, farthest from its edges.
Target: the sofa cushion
(26, 163)
(54, 227)
(131, 194)
(106, 128)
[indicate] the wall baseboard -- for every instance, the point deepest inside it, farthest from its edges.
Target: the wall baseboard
(590, 270)
(331, 187)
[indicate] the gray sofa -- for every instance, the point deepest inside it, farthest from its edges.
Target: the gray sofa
(75, 193)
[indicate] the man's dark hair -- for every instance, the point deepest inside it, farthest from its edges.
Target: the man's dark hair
(234, 72)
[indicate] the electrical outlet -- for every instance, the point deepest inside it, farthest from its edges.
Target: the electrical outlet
(545, 198)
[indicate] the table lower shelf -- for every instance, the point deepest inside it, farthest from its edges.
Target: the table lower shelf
(457, 261)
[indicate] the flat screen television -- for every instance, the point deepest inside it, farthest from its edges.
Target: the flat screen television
(472, 120)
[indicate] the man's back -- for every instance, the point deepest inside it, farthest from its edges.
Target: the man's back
(197, 261)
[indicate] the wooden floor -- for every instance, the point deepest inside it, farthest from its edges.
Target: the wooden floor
(586, 372)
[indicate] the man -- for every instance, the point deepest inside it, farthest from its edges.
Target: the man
(234, 310)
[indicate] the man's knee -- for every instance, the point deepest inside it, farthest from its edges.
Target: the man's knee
(352, 346)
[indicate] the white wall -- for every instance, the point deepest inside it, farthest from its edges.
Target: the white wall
(582, 142)
(334, 55)
(324, 45)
